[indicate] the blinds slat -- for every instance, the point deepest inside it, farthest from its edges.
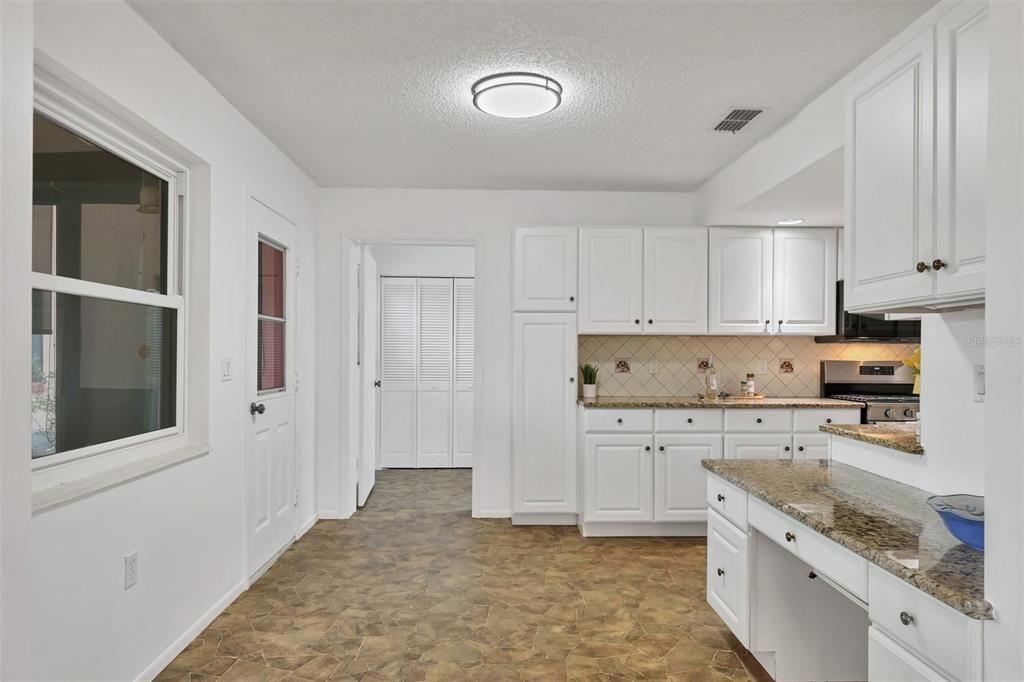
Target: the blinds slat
(465, 303)
(398, 330)
(435, 331)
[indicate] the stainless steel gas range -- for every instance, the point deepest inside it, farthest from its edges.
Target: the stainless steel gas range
(885, 388)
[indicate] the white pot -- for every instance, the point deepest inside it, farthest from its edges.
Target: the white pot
(590, 391)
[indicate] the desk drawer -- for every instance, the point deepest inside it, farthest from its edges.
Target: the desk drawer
(939, 634)
(832, 560)
(755, 420)
(701, 419)
(728, 500)
(620, 421)
(810, 420)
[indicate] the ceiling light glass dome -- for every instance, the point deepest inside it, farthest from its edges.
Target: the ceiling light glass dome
(516, 95)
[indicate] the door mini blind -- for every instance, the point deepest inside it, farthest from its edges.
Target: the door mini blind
(465, 303)
(398, 330)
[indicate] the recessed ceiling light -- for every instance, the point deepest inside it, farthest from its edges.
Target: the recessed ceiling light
(790, 221)
(516, 95)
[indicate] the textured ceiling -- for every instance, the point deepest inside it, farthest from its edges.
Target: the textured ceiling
(376, 94)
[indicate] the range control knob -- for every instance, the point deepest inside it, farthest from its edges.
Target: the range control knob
(909, 413)
(889, 413)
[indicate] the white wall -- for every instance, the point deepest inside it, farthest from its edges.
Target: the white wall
(186, 522)
(486, 219)
(1004, 325)
(952, 422)
(15, 257)
(408, 260)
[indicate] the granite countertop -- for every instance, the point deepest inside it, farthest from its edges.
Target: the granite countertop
(887, 523)
(691, 402)
(897, 436)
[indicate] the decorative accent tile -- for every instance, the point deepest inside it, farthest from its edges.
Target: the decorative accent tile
(679, 360)
(622, 366)
(786, 366)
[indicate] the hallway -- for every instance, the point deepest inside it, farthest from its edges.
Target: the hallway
(413, 588)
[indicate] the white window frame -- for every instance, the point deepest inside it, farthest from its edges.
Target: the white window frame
(60, 104)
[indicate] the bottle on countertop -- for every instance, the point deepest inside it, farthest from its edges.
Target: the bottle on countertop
(750, 385)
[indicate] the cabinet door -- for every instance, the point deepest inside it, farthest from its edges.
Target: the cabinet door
(544, 371)
(961, 153)
(740, 281)
(618, 478)
(890, 662)
(611, 280)
(680, 482)
(544, 269)
(811, 445)
(889, 176)
(758, 446)
(728, 586)
(676, 280)
(804, 292)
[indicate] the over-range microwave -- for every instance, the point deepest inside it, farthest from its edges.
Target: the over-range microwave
(854, 328)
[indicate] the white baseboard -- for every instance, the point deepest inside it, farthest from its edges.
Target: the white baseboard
(492, 514)
(531, 519)
(642, 529)
(333, 515)
(306, 525)
(154, 668)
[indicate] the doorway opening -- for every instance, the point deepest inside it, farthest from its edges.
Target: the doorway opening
(416, 363)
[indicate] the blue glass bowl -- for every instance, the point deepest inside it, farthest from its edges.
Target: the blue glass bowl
(964, 516)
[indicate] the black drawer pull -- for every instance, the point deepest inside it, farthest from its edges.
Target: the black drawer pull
(758, 420)
(790, 537)
(906, 618)
(721, 497)
(721, 572)
(689, 420)
(801, 448)
(661, 448)
(828, 421)
(619, 420)
(787, 448)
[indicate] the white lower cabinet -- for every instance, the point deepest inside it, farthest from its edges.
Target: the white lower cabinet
(679, 479)
(890, 662)
(811, 445)
(758, 445)
(728, 579)
(618, 472)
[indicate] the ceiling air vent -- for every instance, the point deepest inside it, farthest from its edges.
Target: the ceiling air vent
(736, 120)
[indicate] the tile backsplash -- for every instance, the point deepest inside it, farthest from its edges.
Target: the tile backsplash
(785, 366)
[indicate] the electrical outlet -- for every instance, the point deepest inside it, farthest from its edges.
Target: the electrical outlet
(652, 366)
(225, 369)
(131, 569)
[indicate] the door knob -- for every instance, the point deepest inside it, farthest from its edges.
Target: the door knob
(938, 264)
(923, 267)
(255, 409)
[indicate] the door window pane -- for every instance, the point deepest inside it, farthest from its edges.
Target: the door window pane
(270, 355)
(96, 216)
(271, 276)
(117, 371)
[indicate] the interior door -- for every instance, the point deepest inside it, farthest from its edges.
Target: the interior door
(370, 378)
(270, 377)
(398, 331)
(434, 374)
(465, 333)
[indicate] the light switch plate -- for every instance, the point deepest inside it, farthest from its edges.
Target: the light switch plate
(225, 369)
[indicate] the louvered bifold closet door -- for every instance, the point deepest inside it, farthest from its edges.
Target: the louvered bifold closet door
(398, 357)
(435, 370)
(465, 316)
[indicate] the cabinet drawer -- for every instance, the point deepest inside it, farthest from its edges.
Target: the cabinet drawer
(811, 445)
(839, 564)
(701, 419)
(942, 636)
(620, 421)
(754, 420)
(810, 420)
(890, 662)
(727, 500)
(728, 584)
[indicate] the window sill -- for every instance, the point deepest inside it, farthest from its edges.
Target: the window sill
(65, 491)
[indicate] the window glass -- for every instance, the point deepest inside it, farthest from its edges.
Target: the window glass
(96, 217)
(271, 276)
(102, 370)
(270, 355)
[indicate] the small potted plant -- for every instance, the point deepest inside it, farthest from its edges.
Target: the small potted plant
(589, 373)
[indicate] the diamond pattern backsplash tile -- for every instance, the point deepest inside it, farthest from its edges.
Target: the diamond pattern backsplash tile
(667, 366)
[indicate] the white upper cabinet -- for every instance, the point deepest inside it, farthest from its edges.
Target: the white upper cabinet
(961, 153)
(740, 281)
(675, 272)
(889, 219)
(804, 292)
(544, 269)
(611, 280)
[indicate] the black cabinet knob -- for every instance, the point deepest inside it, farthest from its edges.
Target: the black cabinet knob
(636, 321)
(689, 420)
(828, 421)
(801, 448)
(721, 572)
(661, 448)
(787, 448)
(572, 380)
(759, 420)
(721, 497)
(572, 298)
(790, 537)
(619, 420)
(650, 321)
(906, 618)
(647, 448)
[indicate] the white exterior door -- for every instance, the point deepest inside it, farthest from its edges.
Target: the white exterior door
(618, 474)
(740, 281)
(889, 179)
(465, 334)
(435, 357)
(544, 269)
(270, 377)
(804, 291)
(398, 354)
(368, 346)
(544, 352)
(675, 280)
(758, 446)
(611, 280)
(961, 154)
(680, 482)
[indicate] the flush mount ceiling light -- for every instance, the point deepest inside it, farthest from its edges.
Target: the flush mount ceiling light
(516, 95)
(790, 221)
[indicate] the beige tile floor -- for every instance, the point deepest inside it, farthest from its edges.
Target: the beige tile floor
(412, 588)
